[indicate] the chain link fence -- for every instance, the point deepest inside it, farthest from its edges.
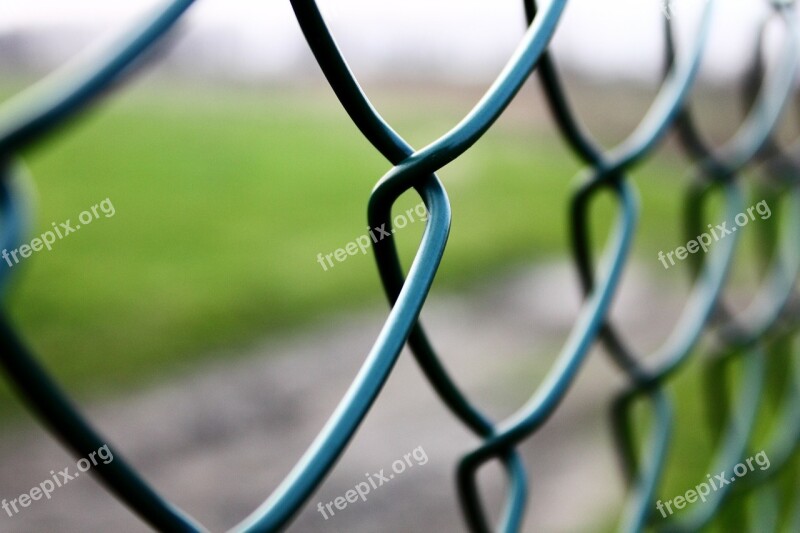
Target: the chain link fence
(739, 342)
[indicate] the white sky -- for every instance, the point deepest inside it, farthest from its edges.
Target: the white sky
(470, 38)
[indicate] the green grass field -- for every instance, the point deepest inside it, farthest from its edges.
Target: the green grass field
(223, 200)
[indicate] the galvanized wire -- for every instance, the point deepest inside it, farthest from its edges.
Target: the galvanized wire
(760, 336)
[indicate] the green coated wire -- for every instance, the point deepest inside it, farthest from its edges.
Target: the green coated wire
(743, 337)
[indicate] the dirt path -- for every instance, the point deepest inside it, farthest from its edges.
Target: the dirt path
(217, 441)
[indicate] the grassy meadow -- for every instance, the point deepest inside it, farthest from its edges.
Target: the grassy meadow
(224, 198)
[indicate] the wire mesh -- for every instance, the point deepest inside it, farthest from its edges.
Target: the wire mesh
(752, 338)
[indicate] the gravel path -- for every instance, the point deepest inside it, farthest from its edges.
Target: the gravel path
(217, 441)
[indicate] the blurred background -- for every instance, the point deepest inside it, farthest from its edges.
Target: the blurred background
(197, 326)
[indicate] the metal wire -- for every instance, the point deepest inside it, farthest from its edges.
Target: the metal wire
(756, 338)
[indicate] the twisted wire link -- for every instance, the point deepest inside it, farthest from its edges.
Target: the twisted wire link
(753, 338)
